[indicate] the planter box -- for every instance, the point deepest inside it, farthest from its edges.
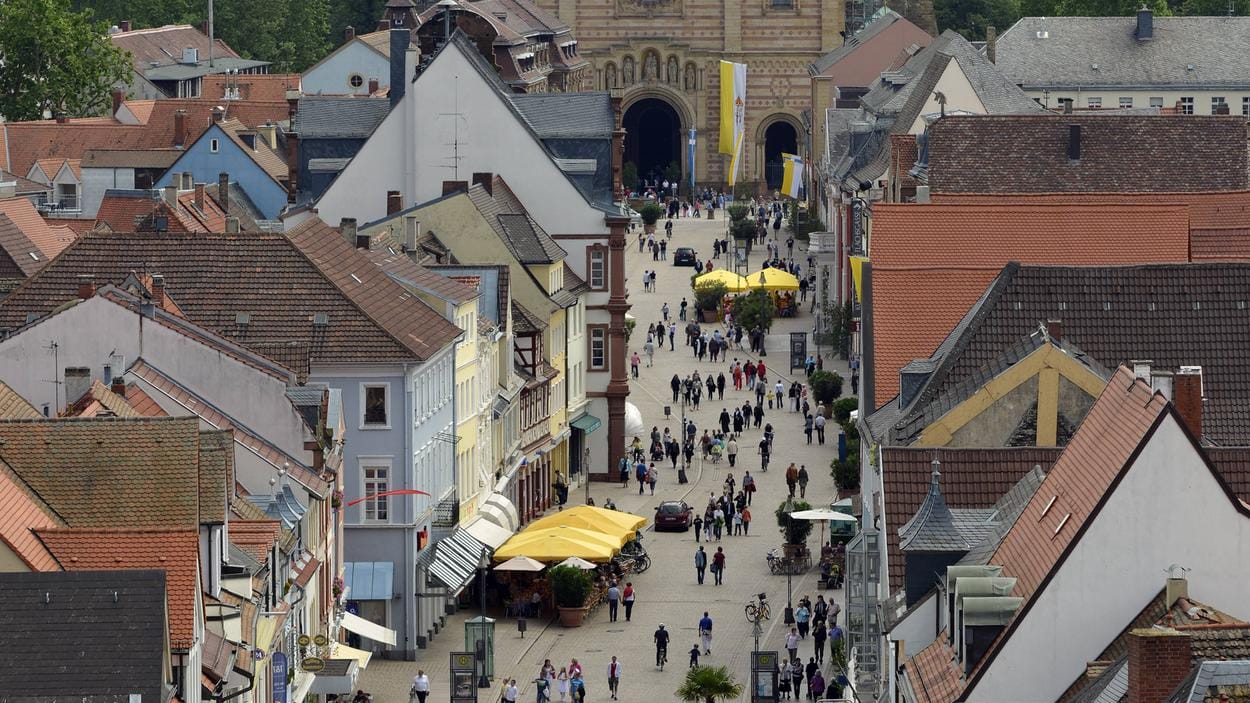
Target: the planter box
(572, 617)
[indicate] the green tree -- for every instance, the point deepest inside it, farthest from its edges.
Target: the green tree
(971, 17)
(794, 531)
(754, 309)
(55, 60)
(1109, 8)
(708, 684)
(1214, 7)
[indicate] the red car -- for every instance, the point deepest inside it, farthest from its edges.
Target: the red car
(673, 515)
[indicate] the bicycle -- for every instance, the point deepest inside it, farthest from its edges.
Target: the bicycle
(756, 612)
(661, 656)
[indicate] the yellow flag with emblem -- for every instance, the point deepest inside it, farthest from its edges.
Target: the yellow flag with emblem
(733, 110)
(792, 174)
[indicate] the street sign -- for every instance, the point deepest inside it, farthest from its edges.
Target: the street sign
(312, 664)
(321, 640)
(304, 640)
(279, 668)
(798, 350)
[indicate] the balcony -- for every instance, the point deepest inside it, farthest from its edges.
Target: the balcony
(63, 204)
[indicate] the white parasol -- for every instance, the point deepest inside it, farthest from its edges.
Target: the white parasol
(521, 563)
(577, 563)
(822, 515)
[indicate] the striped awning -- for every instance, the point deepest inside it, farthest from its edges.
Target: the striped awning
(455, 561)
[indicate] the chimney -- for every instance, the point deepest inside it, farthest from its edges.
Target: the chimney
(77, 383)
(394, 202)
(1159, 658)
(1145, 26)
(158, 290)
(180, 128)
(119, 97)
(268, 133)
(119, 386)
(1141, 369)
(1054, 328)
(219, 113)
(400, 38)
(1067, 105)
(62, 118)
(171, 196)
(1074, 142)
(347, 227)
(373, 86)
(486, 180)
(1176, 589)
(204, 28)
(450, 187)
(86, 287)
(292, 106)
(292, 166)
(1187, 397)
(1161, 382)
(349, 33)
(384, 25)
(412, 228)
(124, 25)
(991, 44)
(223, 191)
(232, 225)
(199, 196)
(1221, 109)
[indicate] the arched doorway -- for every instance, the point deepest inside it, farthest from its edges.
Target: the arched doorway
(653, 140)
(780, 138)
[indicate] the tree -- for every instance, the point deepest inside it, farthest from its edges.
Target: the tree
(55, 60)
(971, 17)
(1214, 7)
(795, 531)
(708, 684)
(1109, 8)
(755, 309)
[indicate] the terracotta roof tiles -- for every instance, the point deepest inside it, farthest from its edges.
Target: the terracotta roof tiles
(174, 551)
(142, 402)
(100, 400)
(931, 262)
(21, 513)
(25, 233)
(154, 44)
(268, 87)
(216, 475)
(255, 537)
(108, 472)
(932, 674)
(14, 407)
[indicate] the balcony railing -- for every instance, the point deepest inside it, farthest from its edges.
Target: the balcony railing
(67, 204)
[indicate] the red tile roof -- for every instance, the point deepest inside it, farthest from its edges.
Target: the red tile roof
(862, 64)
(256, 537)
(14, 407)
(143, 403)
(209, 218)
(137, 210)
(100, 400)
(109, 472)
(27, 232)
(931, 262)
(933, 674)
(265, 157)
(174, 551)
(268, 87)
(155, 44)
(22, 512)
(76, 227)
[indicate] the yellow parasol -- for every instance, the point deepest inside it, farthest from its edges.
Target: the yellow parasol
(557, 544)
(772, 279)
(588, 517)
(733, 282)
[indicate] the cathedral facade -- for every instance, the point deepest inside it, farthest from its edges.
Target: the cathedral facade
(663, 55)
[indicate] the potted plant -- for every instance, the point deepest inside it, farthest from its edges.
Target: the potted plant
(707, 299)
(794, 531)
(571, 588)
(826, 387)
(650, 214)
(708, 684)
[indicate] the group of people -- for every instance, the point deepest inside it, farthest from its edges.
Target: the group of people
(820, 620)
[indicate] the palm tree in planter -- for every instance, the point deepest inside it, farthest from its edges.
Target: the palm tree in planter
(650, 214)
(708, 684)
(571, 587)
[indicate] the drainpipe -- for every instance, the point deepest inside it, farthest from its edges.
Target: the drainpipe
(410, 536)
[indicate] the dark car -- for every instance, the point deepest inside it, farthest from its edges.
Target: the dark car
(673, 515)
(684, 256)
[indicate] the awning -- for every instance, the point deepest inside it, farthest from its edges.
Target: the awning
(634, 426)
(499, 510)
(364, 628)
(341, 651)
(369, 580)
(303, 682)
(338, 676)
(587, 423)
(487, 532)
(456, 557)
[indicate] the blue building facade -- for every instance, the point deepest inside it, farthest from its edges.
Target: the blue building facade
(216, 152)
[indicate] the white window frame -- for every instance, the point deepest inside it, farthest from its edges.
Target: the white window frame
(600, 333)
(1156, 102)
(214, 146)
(1093, 102)
(1187, 105)
(1245, 105)
(1126, 103)
(364, 394)
(366, 463)
(602, 256)
(1216, 101)
(352, 77)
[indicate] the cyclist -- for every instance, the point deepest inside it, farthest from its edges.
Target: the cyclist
(661, 646)
(765, 450)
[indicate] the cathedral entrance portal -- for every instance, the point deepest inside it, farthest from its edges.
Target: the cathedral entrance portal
(653, 140)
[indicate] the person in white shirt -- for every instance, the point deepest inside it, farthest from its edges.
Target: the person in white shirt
(421, 686)
(614, 676)
(510, 693)
(792, 643)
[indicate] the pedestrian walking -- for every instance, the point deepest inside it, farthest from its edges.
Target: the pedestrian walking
(681, 310)
(652, 477)
(627, 597)
(421, 686)
(672, 333)
(816, 686)
(700, 561)
(664, 310)
(510, 691)
(819, 424)
(783, 681)
(819, 634)
(802, 617)
(810, 673)
(640, 472)
(792, 478)
(634, 362)
(796, 677)
(562, 683)
(803, 481)
(614, 675)
(705, 632)
(737, 523)
(746, 522)
(694, 655)
(698, 529)
(614, 598)
(718, 565)
(720, 386)
(748, 486)
(792, 644)
(807, 427)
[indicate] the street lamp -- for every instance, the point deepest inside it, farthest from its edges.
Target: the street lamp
(480, 630)
(789, 614)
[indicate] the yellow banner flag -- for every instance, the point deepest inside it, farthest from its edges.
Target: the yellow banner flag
(792, 174)
(733, 109)
(857, 274)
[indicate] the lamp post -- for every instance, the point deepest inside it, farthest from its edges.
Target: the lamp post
(789, 615)
(483, 563)
(681, 448)
(756, 612)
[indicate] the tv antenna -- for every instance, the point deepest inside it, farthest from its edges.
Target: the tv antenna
(56, 374)
(457, 118)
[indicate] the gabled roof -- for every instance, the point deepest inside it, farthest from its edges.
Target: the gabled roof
(139, 210)
(268, 160)
(388, 255)
(863, 57)
(339, 117)
(163, 45)
(930, 263)
(505, 213)
(1092, 52)
(252, 86)
(14, 407)
(22, 512)
(971, 478)
(100, 401)
(282, 283)
(1118, 153)
(106, 472)
(256, 537)
(26, 237)
(567, 115)
(174, 551)
(84, 636)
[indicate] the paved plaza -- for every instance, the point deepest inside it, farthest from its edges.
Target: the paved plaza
(668, 592)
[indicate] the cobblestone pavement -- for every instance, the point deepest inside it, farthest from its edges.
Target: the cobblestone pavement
(668, 592)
